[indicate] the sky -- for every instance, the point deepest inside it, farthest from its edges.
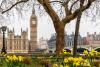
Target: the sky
(45, 26)
(46, 29)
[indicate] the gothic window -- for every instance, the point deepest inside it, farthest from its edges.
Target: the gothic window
(24, 45)
(10, 44)
(17, 45)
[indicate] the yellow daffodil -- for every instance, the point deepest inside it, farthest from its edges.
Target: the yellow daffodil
(93, 52)
(77, 64)
(15, 58)
(70, 59)
(85, 52)
(20, 58)
(65, 60)
(55, 65)
(9, 58)
(66, 66)
(64, 51)
(80, 58)
(76, 61)
(61, 66)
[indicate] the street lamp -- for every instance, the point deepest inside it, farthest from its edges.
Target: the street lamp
(3, 28)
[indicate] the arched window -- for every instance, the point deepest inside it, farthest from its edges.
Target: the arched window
(24, 44)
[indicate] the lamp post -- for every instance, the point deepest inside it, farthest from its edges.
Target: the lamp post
(3, 28)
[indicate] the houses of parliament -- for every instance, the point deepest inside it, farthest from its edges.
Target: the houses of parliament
(21, 43)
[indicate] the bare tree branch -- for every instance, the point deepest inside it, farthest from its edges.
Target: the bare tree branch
(65, 5)
(14, 5)
(74, 15)
(73, 5)
(55, 1)
(50, 11)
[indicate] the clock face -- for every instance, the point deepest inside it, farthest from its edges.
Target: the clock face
(33, 22)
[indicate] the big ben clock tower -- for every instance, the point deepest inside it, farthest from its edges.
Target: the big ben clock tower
(33, 32)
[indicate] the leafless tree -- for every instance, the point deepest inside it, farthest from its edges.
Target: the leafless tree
(77, 29)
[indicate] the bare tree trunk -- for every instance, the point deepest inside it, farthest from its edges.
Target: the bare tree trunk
(77, 29)
(76, 35)
(60, 41)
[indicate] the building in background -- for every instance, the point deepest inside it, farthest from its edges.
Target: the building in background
(92, 38)
(33, 32)
(21, 43)
(43, 43)
(17, 43)
(69, 41)
(51, 43)
(43, 46)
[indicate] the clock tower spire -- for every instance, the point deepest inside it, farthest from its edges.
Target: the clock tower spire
(33, 32)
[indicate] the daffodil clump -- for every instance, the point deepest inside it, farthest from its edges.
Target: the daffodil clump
(14, 60)
(92, 53)
(65, 52)
(73, 62)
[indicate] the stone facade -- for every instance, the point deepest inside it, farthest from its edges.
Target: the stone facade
(21, 43)
(43, 43)
(69, 41)
(17, 43)
(93, 38)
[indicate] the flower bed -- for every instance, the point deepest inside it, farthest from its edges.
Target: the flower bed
(13, 61)
(67, 60)
(47, 60)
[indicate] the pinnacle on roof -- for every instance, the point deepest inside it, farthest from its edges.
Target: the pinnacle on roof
(33, 10)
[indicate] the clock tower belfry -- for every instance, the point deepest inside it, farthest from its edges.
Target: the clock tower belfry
(33, 32)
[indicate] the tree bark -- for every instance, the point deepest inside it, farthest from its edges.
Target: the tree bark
(76, 35)
(60, 40)
(77, 28)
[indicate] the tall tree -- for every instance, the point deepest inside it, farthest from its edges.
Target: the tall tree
(77, 29)
(59, 25)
